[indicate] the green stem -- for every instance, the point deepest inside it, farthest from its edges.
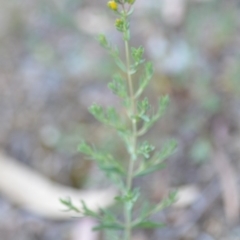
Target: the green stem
(128, 212)
(132, 116)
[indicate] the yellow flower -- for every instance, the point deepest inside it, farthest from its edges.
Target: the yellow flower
(113, 5)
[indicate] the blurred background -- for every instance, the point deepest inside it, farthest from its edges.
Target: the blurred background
(52, 69)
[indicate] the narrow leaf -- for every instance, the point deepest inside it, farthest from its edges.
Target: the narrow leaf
(148, 224)
(150, 169)
(113, 226)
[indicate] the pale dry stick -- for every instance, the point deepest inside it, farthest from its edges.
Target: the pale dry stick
(31, 191)
(226, 171)
(227, 176)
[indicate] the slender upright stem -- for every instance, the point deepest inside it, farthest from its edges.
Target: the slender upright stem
(128, 212)
(132, 116)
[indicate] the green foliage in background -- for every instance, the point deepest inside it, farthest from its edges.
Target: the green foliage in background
(139, 118)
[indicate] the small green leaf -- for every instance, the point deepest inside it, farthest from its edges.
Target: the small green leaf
(108, 216)
(156, 162)
(85, 148)
(148, 224)
(149, 70)
(97, 111)
(129, 198)
(113, 226)
(69, 205)
(103, 41)
(145, 149)
(172, 197)
(105, 161)
(137, 54)
(167, 150)
(145, 210)
(113, 169)
(89, 212)
(118, 86)
(120, 64)
(163, 103)
(143, 106)
(150, 169)
(109, 117)
(145, 79)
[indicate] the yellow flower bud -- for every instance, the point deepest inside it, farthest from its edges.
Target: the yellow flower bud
(113, 5)
(119, 24)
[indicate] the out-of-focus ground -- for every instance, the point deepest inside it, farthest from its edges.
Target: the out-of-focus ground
(52, 69)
